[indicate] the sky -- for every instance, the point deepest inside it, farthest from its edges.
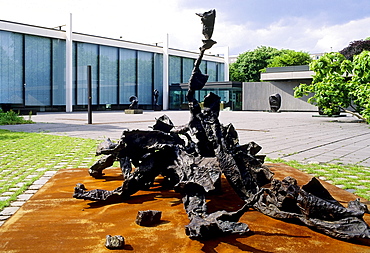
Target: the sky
(314, 26)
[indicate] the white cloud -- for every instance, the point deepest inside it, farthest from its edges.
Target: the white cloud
(147, 21)
(299, 34)
(338, 37)
(141, 21)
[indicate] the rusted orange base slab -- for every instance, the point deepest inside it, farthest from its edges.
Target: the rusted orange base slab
(53, 221)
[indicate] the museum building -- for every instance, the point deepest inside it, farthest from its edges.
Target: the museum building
(45, 69)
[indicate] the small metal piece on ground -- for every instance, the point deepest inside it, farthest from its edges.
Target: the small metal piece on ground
(148, 218)
(114, 242)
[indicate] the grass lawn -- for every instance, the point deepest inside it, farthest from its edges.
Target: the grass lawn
(25, 157)
(353, 178)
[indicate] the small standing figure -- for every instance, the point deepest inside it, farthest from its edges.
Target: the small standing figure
(156, 106)
(156, 95)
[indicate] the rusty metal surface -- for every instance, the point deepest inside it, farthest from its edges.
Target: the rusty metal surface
(54, 221)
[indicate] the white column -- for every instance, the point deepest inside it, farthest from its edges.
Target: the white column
(165, 73)
(226, 65)
(68, 73)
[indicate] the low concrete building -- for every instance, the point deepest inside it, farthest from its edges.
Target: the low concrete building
(280, 80)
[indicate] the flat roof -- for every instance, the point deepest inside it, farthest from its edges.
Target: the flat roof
(213, 85)
(100, 40)
(287, 73)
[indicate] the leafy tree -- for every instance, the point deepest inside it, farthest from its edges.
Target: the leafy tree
(290, 58)
(360, 84)
(339, 83)
(248, 66)
(355, 48)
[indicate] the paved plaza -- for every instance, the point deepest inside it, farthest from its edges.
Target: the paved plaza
(300, 136)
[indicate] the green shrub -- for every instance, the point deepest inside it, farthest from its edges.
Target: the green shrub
(12, 118)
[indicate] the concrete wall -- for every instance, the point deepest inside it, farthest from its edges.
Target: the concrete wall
(256, 96)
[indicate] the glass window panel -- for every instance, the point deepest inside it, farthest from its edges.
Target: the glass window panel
(187, 68)
(74, 72)
(108, 75)
(175, 100)
(158, 76)
(224, 95)
(203, 67)
(127, 73)
(203, 93)
(199, 95)
(220, 72)
(59, 66)
(174, 69)
(11, 68)
(37, 70)
(145, 77)
(87, 54)
(211, 71)
(183, 98)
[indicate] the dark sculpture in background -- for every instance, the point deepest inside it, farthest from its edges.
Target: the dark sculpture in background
(275, 102)
(155, 95)
(156, 106)
(192, 159)
(134, 102)
(134, 106)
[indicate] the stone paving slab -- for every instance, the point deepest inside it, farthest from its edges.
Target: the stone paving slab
(41, 181)
(17, 203)
(35, 186)
(24, 197)
(8, 211)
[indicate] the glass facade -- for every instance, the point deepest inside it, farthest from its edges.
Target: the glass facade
(212, 71)
(33, 73)
(158, 75)
(175, 69)
(58, 77)
(187, 67)
(37, 71)
(180, 69)
(11, 68)
(220, 72)
(87, 54)
(229, 92)
(128, 74)
(145, 78)
(108, 75)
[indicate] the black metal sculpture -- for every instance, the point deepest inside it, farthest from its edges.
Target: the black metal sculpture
(208, 21)
(156, 106)
(155, 95)
(275, 102)
(193, 157)
(134, 102)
